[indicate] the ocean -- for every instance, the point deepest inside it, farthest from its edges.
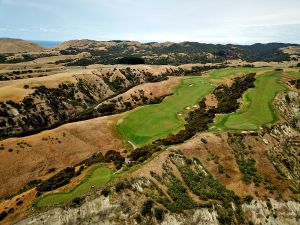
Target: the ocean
(47, 44)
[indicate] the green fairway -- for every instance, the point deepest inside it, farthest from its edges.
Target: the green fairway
(148, 123)
(227, 72)
(97, 177)
(256, 109)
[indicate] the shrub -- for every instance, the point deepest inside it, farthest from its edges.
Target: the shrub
(159, 214)
(3, 215)
(2, 58)
(138, 219)
(248, 199)
(77, 202)
(147, 207)
(105, 192)
(203, 140)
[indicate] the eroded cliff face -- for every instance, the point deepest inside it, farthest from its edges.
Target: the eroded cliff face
(109, 210)
(71, 100)
(178, 190)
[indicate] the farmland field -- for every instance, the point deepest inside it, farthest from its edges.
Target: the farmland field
(97, 177)
(257, 108)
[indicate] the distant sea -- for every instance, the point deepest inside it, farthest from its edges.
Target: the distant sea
(47, 44)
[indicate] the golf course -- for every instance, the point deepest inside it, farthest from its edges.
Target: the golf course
(256, 108)
(96, 178)
(145, 124)
(141, 125)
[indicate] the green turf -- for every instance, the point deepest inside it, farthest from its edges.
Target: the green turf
(227, 72)
(256, 109)
(147, 123)
(97, 177)
(293, 74)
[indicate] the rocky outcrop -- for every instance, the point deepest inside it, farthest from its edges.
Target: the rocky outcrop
(105, 211)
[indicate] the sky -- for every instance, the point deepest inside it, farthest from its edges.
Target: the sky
(209, 21)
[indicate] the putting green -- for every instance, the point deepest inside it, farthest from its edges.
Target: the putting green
(257, 108)
(96, 178)
(148, 123)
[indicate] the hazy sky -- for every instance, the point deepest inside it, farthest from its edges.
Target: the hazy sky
(213, 21)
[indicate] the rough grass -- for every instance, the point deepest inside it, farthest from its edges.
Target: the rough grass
(97, 177)
(257, 108)
(147, 123)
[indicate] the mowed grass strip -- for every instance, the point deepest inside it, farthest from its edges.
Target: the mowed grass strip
(227, 72)
(257, 108)
(148, 123)
(97, 177)
(293, 74)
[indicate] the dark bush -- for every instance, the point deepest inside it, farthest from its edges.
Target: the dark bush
(2, 59)
(3, 215)
(248, 199)
(147, 207)
(76, 202)
(131, 60)
(143, 153)
(105, 192)
(159, 214)
(116, 157)
(95, 158)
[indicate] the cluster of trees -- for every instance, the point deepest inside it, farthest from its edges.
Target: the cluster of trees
(264, 52)
(131, 60)
(143, 153)
(58, 180)
(84, 62)
(110, 156)
(228, 96)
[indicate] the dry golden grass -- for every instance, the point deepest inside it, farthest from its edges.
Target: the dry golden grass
(57, 148)
(9, 45)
